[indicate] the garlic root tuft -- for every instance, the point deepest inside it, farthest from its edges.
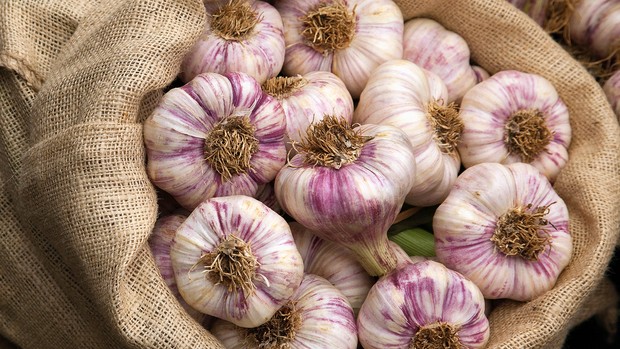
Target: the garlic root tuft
(278, 332)
(329, 27)
(447, 124)
(234, 21)
(526, 134)
(284, 86)
(439, 335)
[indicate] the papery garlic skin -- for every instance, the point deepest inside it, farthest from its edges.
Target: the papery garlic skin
(279, 267)
(421, 295)
(326, 321)
(399, 94)
(260, 54)
(612, 92)
(481, 73)
(355, 204)
(466, 221)
(333, 262)
(595, 24)
(160, 242)
(317, 93)
(431, 46)
(377, 37)
(176, 133)
(488, 108)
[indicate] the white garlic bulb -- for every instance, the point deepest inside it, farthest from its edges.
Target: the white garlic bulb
(349, 38)
(401, 94)
(217, 135)
(239, 36)
(515, 117)
(423, 305)
(431, 46)
(317, 316)
(506, 229)
(235, 259)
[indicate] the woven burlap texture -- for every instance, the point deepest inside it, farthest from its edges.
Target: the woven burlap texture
(76, 207)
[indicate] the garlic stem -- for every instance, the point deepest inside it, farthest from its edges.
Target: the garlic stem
(404, 214)
(416, 242)
(377, 257)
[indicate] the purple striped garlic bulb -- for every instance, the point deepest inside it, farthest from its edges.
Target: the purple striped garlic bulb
(333, 262)
(267, 195)
(239, 36)
(506, 229)
(235, 259)
(595, 24)
(317, 316)
(217, 135)
(399, 93)
(515, 117)
(612, 92)
(160, 242)
(349, 38)
(308, 98)
(423, 305)
(347, 184)
(431, 46)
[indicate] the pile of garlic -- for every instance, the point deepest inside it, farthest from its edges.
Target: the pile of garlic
(301, 132)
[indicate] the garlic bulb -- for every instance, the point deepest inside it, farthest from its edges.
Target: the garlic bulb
(401, 94)
(306, 99)
(334, 263)
(348, 184)
(481, 73)
(235, 259)
(612, 91)
(506, 229)
(217, 135)
(239, 36)
(515, 117)
(267, 195)
(423, 305)
(160, 243)
(317, 316)
(595, 24)
(349, 38)
(431, 46)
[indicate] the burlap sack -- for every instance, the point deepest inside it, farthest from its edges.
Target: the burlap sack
(76, 207)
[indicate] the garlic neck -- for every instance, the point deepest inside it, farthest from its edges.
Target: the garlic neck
(230, 145)
(439, 335)
(234, 21)
(447, 125)
(331, 142)
(520, 232)
(329, 27)
(526, 134)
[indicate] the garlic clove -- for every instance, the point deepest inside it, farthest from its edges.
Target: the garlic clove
(423, 304)
(515, 117)
(234, 258)
(504, 228)
(317, 316)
